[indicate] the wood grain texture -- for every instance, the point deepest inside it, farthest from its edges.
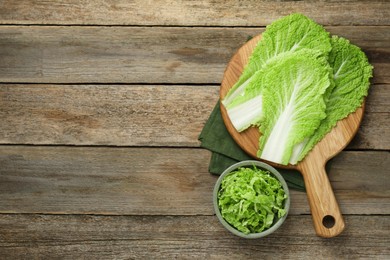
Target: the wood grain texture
(158, 181)
(153, 202)
(186, 12)
(105, 115)
(323, 203)
(183, 237)
(84, 54)
(117, 115)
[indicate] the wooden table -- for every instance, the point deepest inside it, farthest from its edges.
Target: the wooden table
(101, 104)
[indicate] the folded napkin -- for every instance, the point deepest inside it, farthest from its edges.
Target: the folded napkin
(226, 152)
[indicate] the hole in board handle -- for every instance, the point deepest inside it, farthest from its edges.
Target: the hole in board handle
(328, 221)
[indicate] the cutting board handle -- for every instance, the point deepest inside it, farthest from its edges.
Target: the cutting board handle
(327, 218)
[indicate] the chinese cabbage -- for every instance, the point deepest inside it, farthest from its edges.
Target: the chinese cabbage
(351, 74)
(251, 199)
(293, 102)
(246, 110)
(289, 33)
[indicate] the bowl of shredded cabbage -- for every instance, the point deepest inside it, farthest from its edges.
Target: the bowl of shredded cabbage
(251, 199)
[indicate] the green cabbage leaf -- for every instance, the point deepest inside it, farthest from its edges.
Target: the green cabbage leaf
(351, 75)
(288, 34)
(293, 102)
(299, 82)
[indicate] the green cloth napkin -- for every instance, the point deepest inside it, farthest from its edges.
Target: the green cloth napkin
(226, 152)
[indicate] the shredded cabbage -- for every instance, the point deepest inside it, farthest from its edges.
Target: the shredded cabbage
(251, 199)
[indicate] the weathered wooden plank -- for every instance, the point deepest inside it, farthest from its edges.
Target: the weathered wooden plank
(378, 98)
(74, 54)
(159, 181)
(378, 53)
(374, 132)
(105, 115)
(192, 237)
(163, 115)
(204, 12)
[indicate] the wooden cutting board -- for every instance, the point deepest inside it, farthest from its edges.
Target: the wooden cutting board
(327, 218)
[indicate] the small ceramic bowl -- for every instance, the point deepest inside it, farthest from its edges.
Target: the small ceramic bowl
(250, 163)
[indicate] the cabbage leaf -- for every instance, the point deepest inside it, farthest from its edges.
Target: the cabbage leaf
(246, 110)
(297, 85)
(351, 75)
(293, 102)
(288, 34)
